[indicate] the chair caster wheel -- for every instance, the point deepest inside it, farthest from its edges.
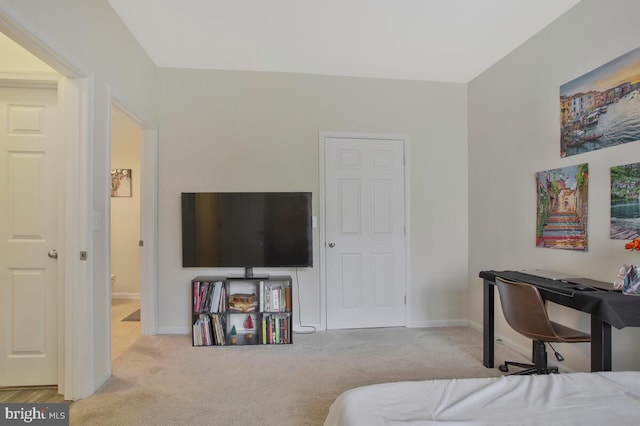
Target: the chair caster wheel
(503, 368)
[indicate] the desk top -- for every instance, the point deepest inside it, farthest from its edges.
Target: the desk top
(611, 307)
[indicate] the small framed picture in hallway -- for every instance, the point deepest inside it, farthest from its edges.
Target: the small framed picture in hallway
(121, 182)
(562, 208)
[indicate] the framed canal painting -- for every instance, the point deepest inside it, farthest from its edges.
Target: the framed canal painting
(601, 108)
(625, 202)
(562, 208)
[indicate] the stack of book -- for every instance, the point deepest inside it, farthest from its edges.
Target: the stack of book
(202, 331)
(208, 297)
(275, 329)
(274, 298)
(209, 303)
(241, 302)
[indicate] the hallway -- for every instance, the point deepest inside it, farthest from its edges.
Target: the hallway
(123, 333)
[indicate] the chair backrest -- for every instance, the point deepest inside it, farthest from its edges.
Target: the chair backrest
(524, 310)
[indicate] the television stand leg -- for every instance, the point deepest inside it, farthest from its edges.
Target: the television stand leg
(248, 274)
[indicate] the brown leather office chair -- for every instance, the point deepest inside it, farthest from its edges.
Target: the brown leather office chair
(525, 311)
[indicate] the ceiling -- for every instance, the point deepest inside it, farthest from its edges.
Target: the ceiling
(430, 40)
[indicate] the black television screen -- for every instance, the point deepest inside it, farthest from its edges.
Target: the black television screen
(246, 229)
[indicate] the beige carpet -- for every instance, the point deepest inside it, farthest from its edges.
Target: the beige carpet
(163, 380)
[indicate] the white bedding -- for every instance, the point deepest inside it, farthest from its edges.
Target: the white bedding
(605, 398)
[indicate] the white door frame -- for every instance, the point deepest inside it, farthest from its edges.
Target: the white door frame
(148, 216)
(149, 232)
(322, 137)
(75, 325)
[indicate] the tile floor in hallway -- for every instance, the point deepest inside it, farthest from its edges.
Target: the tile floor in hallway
(123, 333)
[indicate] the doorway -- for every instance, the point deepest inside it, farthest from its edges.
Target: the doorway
(126, 141)
(29, 150)
(29, 159)
(365, 244)
(71, 291)
(80, 332)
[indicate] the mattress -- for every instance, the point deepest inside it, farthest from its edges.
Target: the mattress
(558, 399)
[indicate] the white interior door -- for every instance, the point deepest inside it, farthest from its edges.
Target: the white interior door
(28, 224)
(365, 232)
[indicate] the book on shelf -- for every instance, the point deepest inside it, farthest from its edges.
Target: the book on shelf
(285, 334)
(286, 328)
(195, 290)
(287, 299)
(261, 292)
(223, 298)
(284, 331)
(195, 334)
(264, 330)
(216, 331)
(203, 294)
(223, 327)
(207, 331)
(208, 297)
(275, 300)
(216, 297)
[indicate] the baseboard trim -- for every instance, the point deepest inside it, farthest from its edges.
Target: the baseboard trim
(174, 330)
(125, 296)
(500, 339)
(310, 327)
(438, 323)
(101, 381)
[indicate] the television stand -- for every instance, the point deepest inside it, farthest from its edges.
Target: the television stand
(234, 310)
(248, 273)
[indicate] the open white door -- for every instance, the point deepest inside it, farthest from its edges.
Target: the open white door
(28, 236)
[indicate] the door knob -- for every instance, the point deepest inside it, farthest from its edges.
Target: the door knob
(332, 244)
(53, 254)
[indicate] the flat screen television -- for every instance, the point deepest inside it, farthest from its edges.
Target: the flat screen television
(246, 229)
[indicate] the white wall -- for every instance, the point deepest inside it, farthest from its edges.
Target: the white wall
(251, 131)
(514, 133)
(90, 36)
(125, 211)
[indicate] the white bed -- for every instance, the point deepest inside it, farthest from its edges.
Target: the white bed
(605, 398)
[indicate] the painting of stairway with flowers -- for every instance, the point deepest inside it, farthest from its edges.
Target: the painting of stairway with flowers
(562, 208)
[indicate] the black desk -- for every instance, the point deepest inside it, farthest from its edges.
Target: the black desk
(607, 308)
